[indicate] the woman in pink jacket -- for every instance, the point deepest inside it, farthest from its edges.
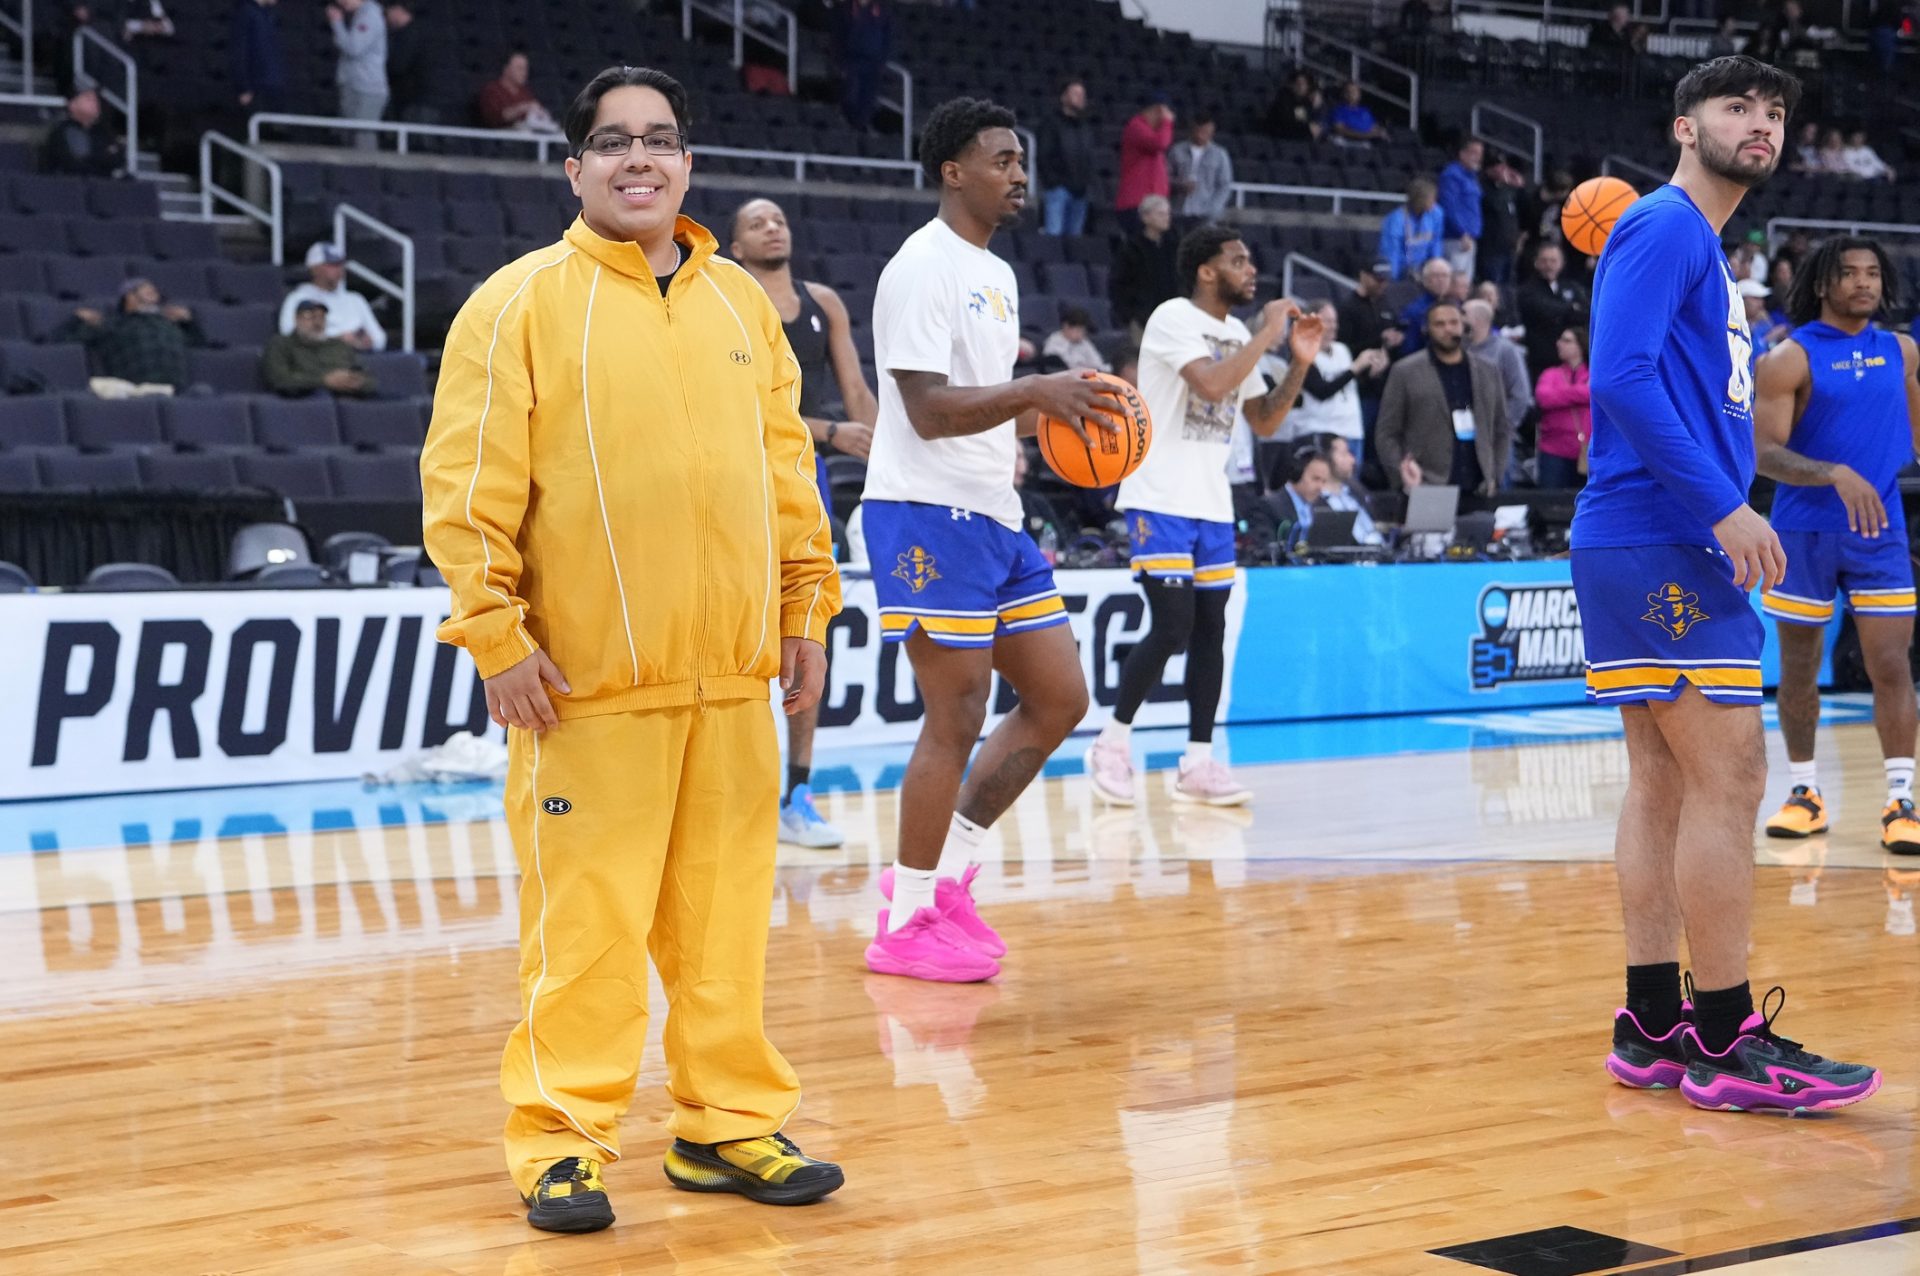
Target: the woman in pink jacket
(1566, 414)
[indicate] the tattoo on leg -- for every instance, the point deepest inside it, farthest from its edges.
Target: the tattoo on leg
(993, 794)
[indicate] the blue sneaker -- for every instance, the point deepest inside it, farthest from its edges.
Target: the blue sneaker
(802, 825)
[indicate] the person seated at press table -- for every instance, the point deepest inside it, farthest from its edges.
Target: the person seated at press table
(1303, 492)
(310, 360)
(1343, 490)
(142, 344)
(1443, 418)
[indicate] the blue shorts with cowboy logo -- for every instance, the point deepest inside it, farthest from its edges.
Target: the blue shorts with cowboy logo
(1876, 575)
(1658, 618)
(959, 576)
(1167, 547)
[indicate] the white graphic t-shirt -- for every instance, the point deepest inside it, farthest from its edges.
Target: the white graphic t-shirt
(1185, 473)
(945, 306)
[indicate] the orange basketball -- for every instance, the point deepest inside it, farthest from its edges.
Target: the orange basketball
(1587, 218)
(1111, 456)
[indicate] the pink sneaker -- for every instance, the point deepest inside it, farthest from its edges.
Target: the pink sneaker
(1110, 772)
(954, 899)
(1209, 782)
(928, 947)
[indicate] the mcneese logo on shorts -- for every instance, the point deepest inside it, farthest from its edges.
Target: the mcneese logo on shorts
(1661, 618)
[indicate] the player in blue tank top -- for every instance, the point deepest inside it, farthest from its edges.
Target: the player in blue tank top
(1834, 421)
(1665, 549)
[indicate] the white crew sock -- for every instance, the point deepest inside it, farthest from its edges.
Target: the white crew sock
(912, 891)
(1899, 778)
(961, 848)
(1116, 732)
(1198, 751)
(1803, 773)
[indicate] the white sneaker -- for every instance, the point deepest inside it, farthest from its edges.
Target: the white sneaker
(1209, 782)
(1110, 772)
(802, 825)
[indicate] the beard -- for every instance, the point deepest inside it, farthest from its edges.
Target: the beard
(775, 262)
(1729, 163)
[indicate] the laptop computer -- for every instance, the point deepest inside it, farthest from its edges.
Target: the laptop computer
(1431, 508)
(1332, 529)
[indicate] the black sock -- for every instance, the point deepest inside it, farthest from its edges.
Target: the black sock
(1653, 996)
(796, 776)
(1718, 1014)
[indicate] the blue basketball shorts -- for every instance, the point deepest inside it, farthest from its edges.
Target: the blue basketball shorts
(959, 576)
(1876, 576)
(1658, 618)
(1167, 547)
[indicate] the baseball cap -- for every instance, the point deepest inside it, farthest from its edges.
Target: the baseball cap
(309, 304)
(325, 254)
(1381, 269)
(1754, 288)
(128, 286)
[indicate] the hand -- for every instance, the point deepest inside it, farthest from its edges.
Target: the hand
(1077, 399)
(1466, 242)
(1370, 361)
(246, 99)
(1865, 514)
(854, 438)
(87, 314)
(1304, 343)
(335, 13)
(516, 697)
(1273, 320)
(1411, 475)
(343, 379)
(1753, 547)
(803, 673)
(179, 314)
(1392, 338)
(359, 340)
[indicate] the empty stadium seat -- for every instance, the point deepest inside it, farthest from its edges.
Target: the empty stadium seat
(114, 423)
(62, 367)
(296, 477)
(401, 375)
(64, 471)
(373, 478)
(129, 576)
(33, 421)
(206, 423)
(295, 425)
(226, 371)
(384, 424)
(187, 472)
(14, 579)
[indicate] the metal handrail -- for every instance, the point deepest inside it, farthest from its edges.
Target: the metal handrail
(1550, 12)
(1539, 134)
(273, 216)
(22, 26)
(1032, 143)
(904, 105)
(344, 213)
(735, 16)
(1243, 189)
(31, 99)
(1610, 162)
(1852, 228)
(129, 104)
(1325, 271)
(1357, 55)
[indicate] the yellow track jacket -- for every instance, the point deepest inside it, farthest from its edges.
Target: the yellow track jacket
(624, 479)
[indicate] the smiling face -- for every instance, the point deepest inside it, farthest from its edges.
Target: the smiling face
(633, 197)
(990, 177)
(1735, 138)
(761, 237)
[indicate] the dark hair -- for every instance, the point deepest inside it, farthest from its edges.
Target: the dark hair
(953, 127)
(1735, 75)
(1580, 339)
(1545, 244)
(1301, 458)
(579, 121)
(1444, 303)
(1201, 118)
(1821, 268)
(1075, 316)
(1200, 246)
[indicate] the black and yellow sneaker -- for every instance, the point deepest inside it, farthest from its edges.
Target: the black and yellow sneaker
(769, 1169)
(570, 1198)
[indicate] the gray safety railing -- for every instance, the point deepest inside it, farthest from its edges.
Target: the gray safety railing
(1325, 54)
(1614, 165)
(1032, 143)
(403, 289)
(126, 100)
(1777, 224)
(902, 103)
(1338, 197)
(734, 14)
(1549, 12)
(273, 216)
(1490, 111)
(1293, 261)
(21, 24)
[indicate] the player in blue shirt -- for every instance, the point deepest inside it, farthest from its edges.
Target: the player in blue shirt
(1664, 549)
(1835, 411)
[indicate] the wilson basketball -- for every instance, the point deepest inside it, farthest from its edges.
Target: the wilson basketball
(1591, 209)
(1111, 456)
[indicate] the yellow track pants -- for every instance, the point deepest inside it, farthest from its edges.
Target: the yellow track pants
(637, 833)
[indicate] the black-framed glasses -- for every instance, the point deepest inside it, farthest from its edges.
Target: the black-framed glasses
(614, 145)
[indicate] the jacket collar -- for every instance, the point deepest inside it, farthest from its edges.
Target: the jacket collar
(696, 245)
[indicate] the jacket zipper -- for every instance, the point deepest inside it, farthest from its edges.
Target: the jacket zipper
(701, 551)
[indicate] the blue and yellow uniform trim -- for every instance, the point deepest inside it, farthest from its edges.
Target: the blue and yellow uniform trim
(958, 576)
(1167, 547)
(1658, 619)
(1875, 575)
(1617, 680)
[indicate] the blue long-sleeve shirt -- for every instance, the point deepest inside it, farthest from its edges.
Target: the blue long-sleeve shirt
(258, 66)
(1406, 242)
(1672, 381)
(1460, 200)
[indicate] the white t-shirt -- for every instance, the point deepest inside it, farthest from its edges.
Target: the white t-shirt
(945, 306)
(1185, 473)
(347, 311)
(1339, 414)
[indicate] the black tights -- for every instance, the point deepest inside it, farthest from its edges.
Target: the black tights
(1182, 618)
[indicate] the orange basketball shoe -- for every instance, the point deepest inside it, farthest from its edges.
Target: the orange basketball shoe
(1803, 815)
(1900, 828)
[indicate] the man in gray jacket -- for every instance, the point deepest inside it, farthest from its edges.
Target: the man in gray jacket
(1483, 342)
(1200, 172)
(1443, 417)
(360, 33)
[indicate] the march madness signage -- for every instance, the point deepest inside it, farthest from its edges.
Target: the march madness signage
(1528, 633)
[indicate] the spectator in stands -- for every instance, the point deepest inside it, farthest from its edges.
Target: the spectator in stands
(145, 20)
(360, 34)
(1145, 272)
(1614, 34)
(1200, 172)
(1350, 122)
(1500, 192)
(1365, 320)
(349, 317)
(1295, 113)
(1791, 32)
(1780, 281)
(310, 360)
(1444, 418)
(409, 74)
(142, 345)
(1329, 403)
(80, 144)
(1725, 40)
(1549, 305)
(259, 67)
(1795, 250)
(1413, 233)
(1766, 331)
(1833, 154)
(1066, 142)
(1862, 161)
(1486, 343)
(1071, 345)
(1436, 288)
(1540, 213)
(1143, 161)
(1488, 291)
(508, 102)
(863, 39)
(1883, 34)
(1806, 149)
(1344, 490)
(1460, 203)
(1566, 414)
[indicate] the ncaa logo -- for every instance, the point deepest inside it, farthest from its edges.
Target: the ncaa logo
(741, 356)
(556, 806)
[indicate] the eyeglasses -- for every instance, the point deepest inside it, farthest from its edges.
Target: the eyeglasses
(615, 145)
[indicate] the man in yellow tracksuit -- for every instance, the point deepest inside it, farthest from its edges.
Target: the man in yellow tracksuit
(619, 486)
